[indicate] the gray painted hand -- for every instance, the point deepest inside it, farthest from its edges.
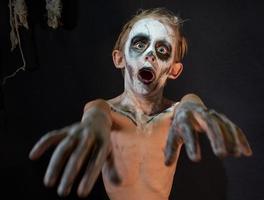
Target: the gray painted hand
(75, 143)
(189, 119)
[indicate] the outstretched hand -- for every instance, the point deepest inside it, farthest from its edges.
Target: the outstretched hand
(74, 144)
(192, 117)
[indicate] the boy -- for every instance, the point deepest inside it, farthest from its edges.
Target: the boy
(135, 138)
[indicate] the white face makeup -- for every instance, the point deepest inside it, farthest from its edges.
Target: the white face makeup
(149, 54)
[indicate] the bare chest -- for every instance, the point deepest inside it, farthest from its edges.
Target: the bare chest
(139, 155)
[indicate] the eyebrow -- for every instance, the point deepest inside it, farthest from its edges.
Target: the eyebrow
(138, 37)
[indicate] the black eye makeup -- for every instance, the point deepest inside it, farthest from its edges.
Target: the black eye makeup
(140, 42)
(163, 50)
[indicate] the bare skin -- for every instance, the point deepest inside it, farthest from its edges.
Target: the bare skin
(146, 157)
(136, 138)
(139, 154)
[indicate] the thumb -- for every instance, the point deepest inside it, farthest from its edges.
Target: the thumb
(173, 147)
(111, 170)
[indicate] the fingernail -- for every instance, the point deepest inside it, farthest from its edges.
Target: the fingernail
(168, 162)
(62, 191)
(81, 194)
(31, 155)
(49, 182)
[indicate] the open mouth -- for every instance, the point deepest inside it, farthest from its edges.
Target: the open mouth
(146, 75)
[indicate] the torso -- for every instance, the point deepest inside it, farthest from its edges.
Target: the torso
(139, 156)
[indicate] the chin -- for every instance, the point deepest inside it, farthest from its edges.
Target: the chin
(145, 90)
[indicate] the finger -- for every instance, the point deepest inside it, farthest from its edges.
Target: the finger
(240, 138)
(190, 139)
(173, 145)
(228, 133)
(111, 171)
(48, 140)
(209, 125)
(242, 141)
(93, 169)
(74, 165)
(186, 124)
(58, 160)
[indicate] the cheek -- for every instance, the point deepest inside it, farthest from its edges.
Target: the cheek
(133, 59)
(163, 57)
(164, 65)
(130, 71)
(134, 54)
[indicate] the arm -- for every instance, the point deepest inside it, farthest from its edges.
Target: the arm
(90, 137)
(191, 117)
(99, 105)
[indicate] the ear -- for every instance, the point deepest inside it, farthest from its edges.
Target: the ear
(118, 59)
(175, 70)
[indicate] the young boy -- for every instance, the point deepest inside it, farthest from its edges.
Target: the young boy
(135, 138)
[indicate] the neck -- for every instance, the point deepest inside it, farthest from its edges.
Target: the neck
(145, 104)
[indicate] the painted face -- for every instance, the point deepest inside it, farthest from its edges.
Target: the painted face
(149, 54)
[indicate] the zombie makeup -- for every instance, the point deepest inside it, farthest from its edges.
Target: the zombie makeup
(163, 49)
(149, 53)
(141, 42)
(138, 45)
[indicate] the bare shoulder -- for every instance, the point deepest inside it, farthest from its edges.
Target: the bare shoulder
(98, 105)
(115, 102)
(121, 114)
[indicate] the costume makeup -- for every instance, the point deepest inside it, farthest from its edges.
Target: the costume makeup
(149, 53)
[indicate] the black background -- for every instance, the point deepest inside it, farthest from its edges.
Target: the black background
(72, 65)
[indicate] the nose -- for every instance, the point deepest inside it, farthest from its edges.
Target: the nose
(150, 57)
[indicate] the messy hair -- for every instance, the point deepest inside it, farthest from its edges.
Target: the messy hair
(164, 16)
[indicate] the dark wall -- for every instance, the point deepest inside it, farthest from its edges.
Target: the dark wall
(72, 65)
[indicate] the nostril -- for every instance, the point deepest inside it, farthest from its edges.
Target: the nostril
(150, 58)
